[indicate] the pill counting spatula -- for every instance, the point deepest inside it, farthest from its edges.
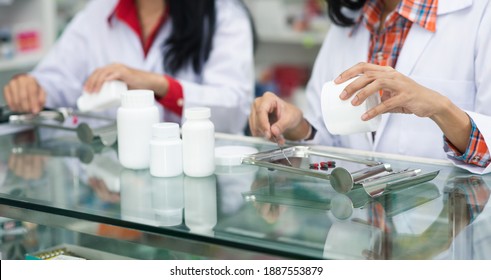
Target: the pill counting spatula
(281, 149)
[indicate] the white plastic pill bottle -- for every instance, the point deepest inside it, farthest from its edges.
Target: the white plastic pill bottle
(165, 150)
(135, 119)
(198, 143)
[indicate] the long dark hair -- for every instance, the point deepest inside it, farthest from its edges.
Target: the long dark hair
(193, 27)
(335, 7)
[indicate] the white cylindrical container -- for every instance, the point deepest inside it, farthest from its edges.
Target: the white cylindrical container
(135, 118)
(340, 116)
(198, 143)
(165, 150)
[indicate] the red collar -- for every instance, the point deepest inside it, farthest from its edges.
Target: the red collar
(127, 12)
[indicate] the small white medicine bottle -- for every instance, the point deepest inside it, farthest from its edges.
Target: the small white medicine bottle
(198, 143)
(135, 118)
(165, 150)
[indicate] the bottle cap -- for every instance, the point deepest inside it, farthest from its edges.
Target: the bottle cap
(197, 113)
(165, 130)
(232, 155)
(137, 98)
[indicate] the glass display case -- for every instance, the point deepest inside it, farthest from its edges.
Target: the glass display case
(59, 190)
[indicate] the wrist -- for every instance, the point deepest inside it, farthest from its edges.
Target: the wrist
(444, 112)
(159, 85)
(302, 131)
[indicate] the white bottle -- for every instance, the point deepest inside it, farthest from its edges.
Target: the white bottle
(165, 150)
(198, 143)
(108, 97)
(135, 118)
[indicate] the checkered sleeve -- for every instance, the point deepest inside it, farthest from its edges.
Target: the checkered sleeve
(477, 152)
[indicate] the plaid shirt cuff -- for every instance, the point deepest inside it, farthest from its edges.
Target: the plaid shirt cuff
(477, 152)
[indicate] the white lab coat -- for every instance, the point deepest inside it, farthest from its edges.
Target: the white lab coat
(89, 42)
(454, 61)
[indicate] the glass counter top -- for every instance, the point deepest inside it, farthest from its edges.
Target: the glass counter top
(51, 174)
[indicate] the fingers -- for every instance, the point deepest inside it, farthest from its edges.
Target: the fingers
(92, 82)
(360, 69)
(260, 117)
(355, 86)
(41, 100)
(98, 77)
(23, 94)
(380, 76)
(389, 105)
(373, 87)
(32, 96)
(29, 167)
(7, 94)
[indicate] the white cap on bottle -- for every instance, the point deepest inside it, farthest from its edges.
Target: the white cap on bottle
(137, 98)
(197, 113)
(165, 130)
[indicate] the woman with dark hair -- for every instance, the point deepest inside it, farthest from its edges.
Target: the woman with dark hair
(190, 53)
(429, 60)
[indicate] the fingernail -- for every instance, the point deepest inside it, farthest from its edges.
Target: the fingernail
(354, 101)
(364, 117)
(344, 95)
(337, 80)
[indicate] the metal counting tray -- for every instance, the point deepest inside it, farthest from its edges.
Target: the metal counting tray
(340, 178)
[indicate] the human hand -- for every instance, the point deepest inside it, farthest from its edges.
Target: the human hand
(27, 166)
(135, 79)
(102, 191)
(24, 94)
(271, 117)
(400, 94)
(269, 212)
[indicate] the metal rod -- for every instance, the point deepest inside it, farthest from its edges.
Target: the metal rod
(340, 178)
(281, 149)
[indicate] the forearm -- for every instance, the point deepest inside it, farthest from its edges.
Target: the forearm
(454, 123)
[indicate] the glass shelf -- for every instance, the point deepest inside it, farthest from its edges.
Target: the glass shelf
(211, 217)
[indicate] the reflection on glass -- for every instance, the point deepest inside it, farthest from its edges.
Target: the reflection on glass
(352, 240)
(168, 200)
(150, 200)
(105, 167)
(469, 217)
(200, 200)
(397, 201)
(232, 182)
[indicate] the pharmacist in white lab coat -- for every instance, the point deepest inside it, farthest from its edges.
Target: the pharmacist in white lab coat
(434, 67)
(190, 54)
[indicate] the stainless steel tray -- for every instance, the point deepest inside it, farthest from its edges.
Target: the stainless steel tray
(301, 158)
(341, 179)
(88, 127)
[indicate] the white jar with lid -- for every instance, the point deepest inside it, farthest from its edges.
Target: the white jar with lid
(198, 143)
(135, 118)
(165, 150)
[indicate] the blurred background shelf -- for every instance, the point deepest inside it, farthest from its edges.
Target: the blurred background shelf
(32, 28)
(24, 61)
